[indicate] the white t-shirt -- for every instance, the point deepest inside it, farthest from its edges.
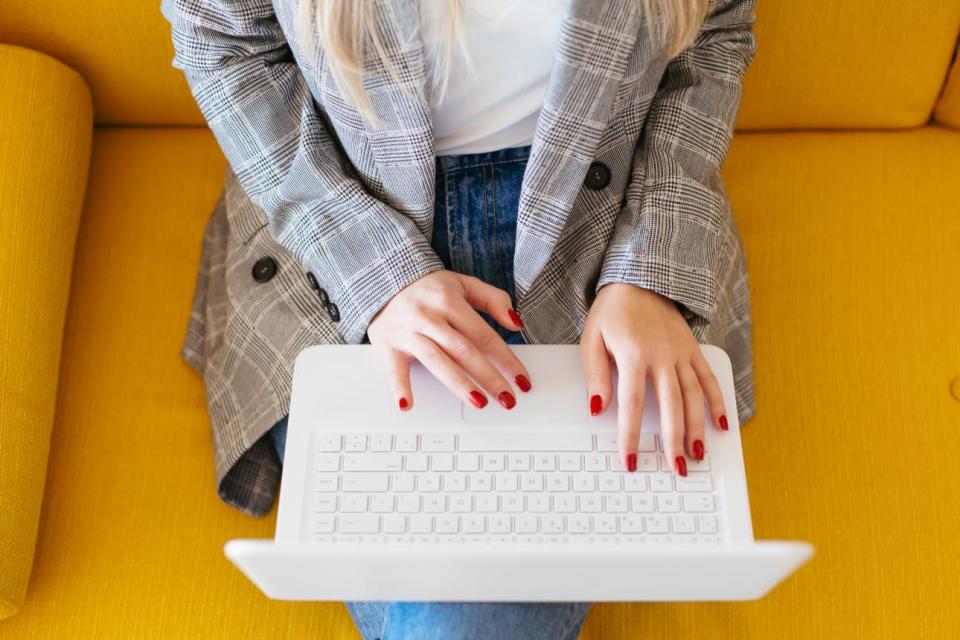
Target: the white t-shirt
(495, 104)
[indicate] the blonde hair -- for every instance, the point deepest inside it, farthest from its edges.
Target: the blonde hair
(343, 24)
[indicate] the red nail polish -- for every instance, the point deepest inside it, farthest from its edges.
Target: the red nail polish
(478, 399)
(723, 423)
(404, 404)
(681, 466)
(631, 462)
(522, 382)
(596, 402)
(698, 449)
(515, 317)
(506, 399)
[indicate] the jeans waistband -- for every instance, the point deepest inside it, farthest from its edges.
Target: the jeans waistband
(451, 163)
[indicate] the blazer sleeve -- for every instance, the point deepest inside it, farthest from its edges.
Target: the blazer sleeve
(256, 101)
(674, 233)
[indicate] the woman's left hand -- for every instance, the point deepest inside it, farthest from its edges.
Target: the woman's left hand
(645, 335)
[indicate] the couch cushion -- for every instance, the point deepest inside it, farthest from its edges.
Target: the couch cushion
(46, 121)
(820, 63)
(850, 240)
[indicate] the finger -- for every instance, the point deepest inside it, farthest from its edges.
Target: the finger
(596, 367)
(491, 300)
(489, 342)
(445, 370)
(471, 360)
(631, 386)
(398, 375)
(711, 388)
(692, 410)
(671, 416)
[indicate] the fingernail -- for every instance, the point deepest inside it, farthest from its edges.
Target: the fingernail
(506, 399)
(404, 404)
(515, 317)
(723, 423)
(478, 399)
(631, 462)
(681, 466)
(698, 449)
(522, 382)
(596, 402)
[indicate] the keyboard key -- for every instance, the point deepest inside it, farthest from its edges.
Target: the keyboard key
(441, 462)
(569, 462)
(683, 523)
(407, 443)
(605, 524)
(631, 524)
(648, 442)
(499, 523)
(558, 482)
(507, 442)
(461, 503)
(609, 482)
(699, 465)
(325, 503)
(607, 442)
(507, 481)
(381, 503)
(641, 503)
(468, 462)
(564, 503)
(591, 503)
(416, 462)
(437, 442)
(487, 502)
(353, 504)
(372, 462)
(448, 524)
(526, 524)
(615, 503)
(428, 483)
(421, 524)
(355, 442)
(530, 482)
(695, 482)
(326, 482)
(668, 503)
(323, 524)
(539, 503)
(454, 482)
(707, 523)
(634, 482)
(408, 503)
(381, 442)
(694, 503)
(512, 502)
(579, 524)
(328, 462)
(660, 482)
(584, 482)
(544, 462)
(518, 462)
(359, 524)
(434, 503)
(365, 482)
(552, 524)
(474, 524)
(480, 482)
(329, 442)
(646, 462)
(394, 524)
(656, 524)
(595, 462)
(402, 482)
(492, 462)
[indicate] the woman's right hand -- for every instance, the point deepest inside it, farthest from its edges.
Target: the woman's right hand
(434, 319)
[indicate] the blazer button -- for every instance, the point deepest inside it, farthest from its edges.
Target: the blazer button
(264, 269)
(333, 312)
(598, 176)
(324, 298)
(312, 279)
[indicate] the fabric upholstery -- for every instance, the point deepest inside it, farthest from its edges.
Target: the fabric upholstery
(821, 63)
(45, 131)
(850, 241)
(948, 108)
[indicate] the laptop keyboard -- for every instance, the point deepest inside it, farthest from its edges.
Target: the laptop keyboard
(505, 489)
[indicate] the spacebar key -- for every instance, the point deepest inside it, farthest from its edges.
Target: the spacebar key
(526, 442)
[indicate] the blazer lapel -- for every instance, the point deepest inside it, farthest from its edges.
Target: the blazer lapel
(597, 40)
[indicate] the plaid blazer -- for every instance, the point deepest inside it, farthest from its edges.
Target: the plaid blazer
(313, 188)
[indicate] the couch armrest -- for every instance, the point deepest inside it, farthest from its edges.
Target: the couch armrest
(46, 126)
(948, 107)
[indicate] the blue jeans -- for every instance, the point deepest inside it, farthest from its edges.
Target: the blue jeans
(474, 231)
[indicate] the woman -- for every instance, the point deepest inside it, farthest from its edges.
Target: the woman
(399, 168)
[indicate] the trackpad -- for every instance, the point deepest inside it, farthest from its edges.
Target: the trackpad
(559, 394)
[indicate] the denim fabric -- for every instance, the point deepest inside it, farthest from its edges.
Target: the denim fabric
(474, 232)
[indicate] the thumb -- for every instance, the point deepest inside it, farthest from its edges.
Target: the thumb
(494, 302)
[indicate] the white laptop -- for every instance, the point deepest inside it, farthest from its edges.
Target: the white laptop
(448, 502)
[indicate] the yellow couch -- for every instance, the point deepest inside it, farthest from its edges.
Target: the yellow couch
(845, 180)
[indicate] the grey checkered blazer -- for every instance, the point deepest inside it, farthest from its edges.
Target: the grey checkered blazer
(314, 186)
